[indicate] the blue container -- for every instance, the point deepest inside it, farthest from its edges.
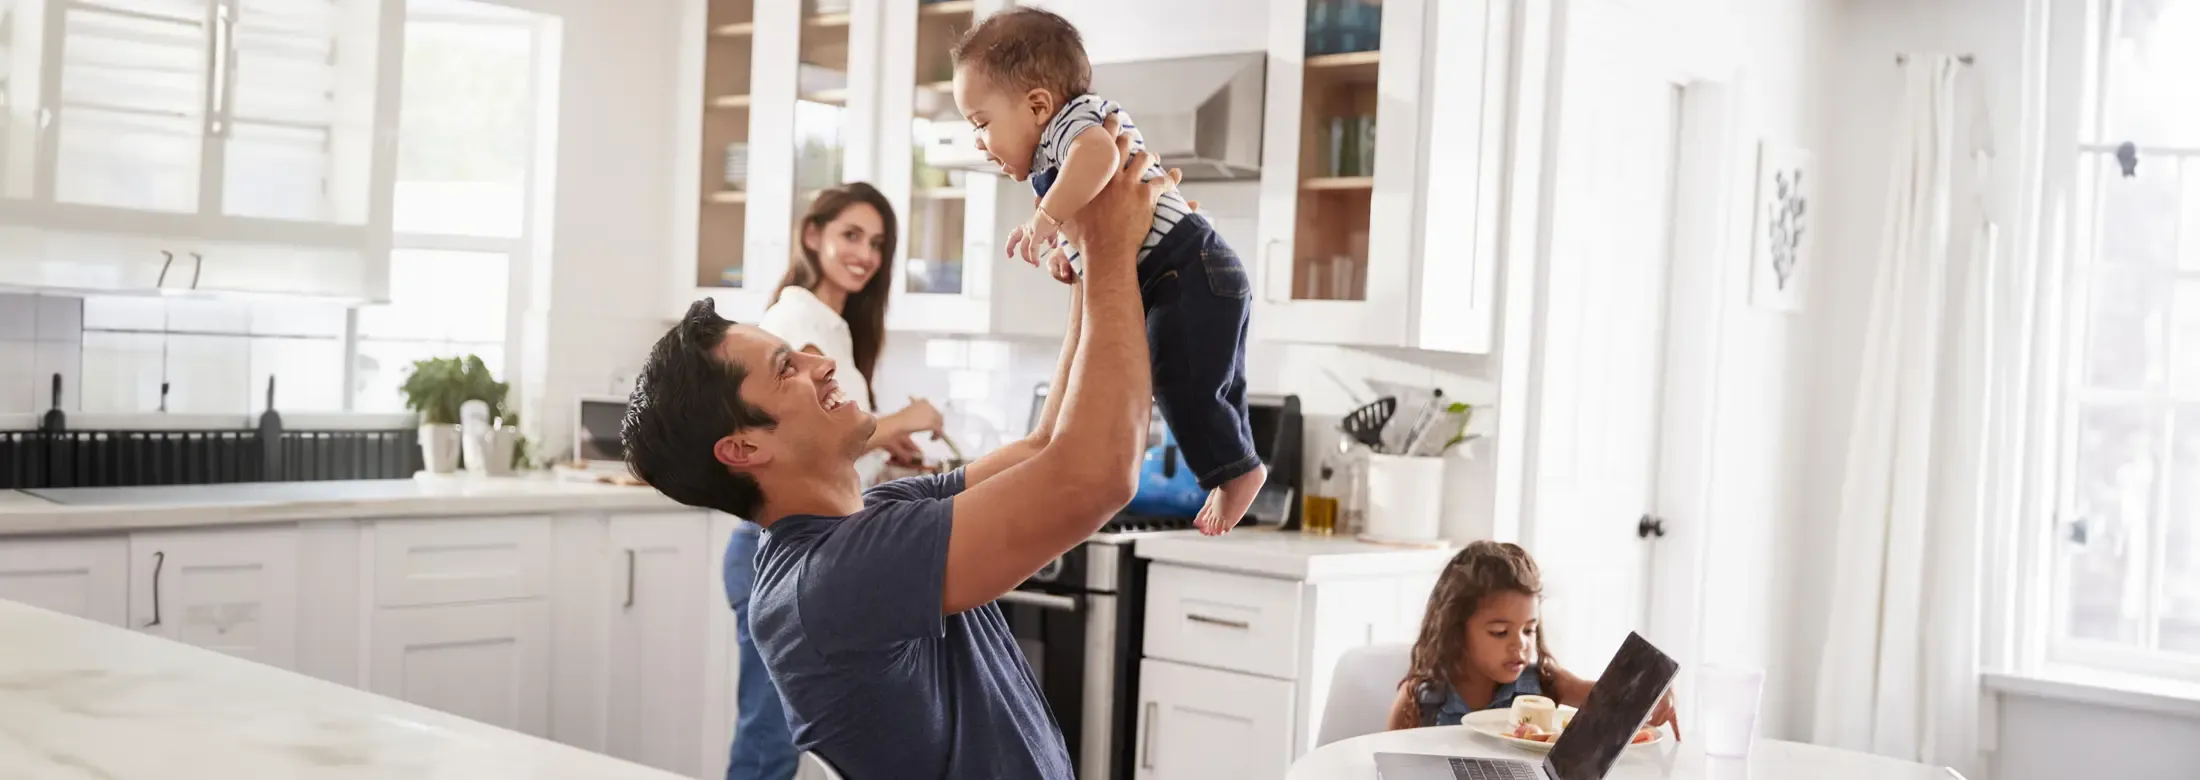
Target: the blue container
(1166, 486)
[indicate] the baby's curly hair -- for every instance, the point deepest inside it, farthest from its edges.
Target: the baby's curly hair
(1026, 48)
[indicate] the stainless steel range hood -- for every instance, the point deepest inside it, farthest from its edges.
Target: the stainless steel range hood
(1200, 114)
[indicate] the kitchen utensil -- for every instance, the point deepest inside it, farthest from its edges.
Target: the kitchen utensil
(55, 420)
(271, 435)
(1441, 430)
(1415, 411)
(1365, 424)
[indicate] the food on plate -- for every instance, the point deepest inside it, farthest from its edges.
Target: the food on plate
(1538, 710)
(1533, 733)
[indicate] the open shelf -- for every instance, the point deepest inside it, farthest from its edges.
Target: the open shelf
(825, 21)
(1338, 183)
(942, 87)
(1354, 59)
(727, 197)
(837, 96)
(737, 30)
(730, 101)
(948, 8)
(941, 193)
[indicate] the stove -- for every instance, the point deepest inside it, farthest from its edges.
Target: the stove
(1081, 620)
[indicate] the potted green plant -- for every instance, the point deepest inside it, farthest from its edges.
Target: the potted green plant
(435, 389)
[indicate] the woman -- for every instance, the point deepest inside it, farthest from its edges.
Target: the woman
(832, 302)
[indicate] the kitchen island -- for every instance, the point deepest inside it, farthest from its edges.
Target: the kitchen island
(74, 510)
(586, 614)
(80, 699)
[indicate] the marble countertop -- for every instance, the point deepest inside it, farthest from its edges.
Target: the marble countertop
(84, 700)
(1290, 554)
(119, 509)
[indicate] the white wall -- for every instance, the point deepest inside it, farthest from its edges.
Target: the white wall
(2052, 739)
(596, 290)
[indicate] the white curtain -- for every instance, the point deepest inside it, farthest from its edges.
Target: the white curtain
(1899, 673)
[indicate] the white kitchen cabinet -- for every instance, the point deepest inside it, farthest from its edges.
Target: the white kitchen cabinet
(797, 91)
(230, 590)
(210, 130)
(1267, 613)
(654, 690)
(1397, 247)
(85, 576)
(460, 560)
(1195, 722)
(489, 662)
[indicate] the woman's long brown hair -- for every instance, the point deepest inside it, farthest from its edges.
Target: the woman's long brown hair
(866, 308)
(1482, 569)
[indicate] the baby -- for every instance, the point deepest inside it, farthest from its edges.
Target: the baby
(1022, 80)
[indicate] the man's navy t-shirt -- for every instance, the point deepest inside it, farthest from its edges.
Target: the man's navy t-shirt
(846, 613)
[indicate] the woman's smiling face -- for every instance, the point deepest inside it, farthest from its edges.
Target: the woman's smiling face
(850, 248)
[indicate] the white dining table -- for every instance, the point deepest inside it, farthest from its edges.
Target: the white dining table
(1354, 759)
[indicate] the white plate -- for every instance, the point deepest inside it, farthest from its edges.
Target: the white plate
(1498, 724)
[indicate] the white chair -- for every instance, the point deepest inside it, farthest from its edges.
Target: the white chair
(815, 767)
(1360, 692)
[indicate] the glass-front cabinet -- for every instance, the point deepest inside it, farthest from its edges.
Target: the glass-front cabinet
(1385, 128)
(785, 91)
(235, 112)
(201, 126)
(944, 276)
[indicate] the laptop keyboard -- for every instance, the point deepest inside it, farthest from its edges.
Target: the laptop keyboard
(1463, 769)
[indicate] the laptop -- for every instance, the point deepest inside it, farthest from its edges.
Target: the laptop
(597, 442)
(1618, 704)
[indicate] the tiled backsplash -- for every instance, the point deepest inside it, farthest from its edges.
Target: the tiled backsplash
(40, 335)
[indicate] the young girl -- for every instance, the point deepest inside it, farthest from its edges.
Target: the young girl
(1481, 644)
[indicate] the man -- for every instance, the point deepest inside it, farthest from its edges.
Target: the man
(874, 612)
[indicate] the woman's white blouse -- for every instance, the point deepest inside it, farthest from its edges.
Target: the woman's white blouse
(801, 320)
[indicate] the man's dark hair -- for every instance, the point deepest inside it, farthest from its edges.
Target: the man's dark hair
(1026, 48)
(686, 399)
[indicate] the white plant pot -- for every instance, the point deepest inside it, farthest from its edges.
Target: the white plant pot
(489, 453)
(439, 448)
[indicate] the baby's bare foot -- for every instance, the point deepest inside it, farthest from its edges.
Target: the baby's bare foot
(1226, 505)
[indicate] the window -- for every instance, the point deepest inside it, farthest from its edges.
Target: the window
(464, 169)
(465, 159)
(2126, 588)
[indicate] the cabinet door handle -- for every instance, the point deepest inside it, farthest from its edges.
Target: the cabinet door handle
(220, 58)
(1271, 276)
(629, 580)
(1241, 625)
(159, 560)
(198, 263)
(1153, 724)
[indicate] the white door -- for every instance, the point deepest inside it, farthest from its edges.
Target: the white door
(488, 662)
(83, 576)
(657, 609)
(1597, 385)
(230, 590)
(1195, 722)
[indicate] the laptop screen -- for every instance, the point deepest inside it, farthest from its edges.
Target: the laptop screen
(597, 437)
(1618, 704)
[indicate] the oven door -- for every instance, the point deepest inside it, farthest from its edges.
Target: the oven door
(1070, 641)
